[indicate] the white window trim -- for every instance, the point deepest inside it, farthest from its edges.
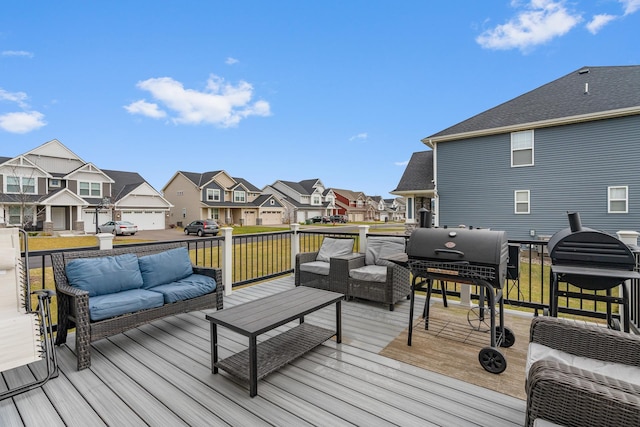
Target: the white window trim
(237, 199)
(90, 185)
(21, 184)
(522, 149)
(214, 193)
(610, 199)
(516, 202)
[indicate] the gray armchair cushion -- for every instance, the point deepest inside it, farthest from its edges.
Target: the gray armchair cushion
(334, 248)
(316, 267)
(379, 248)
(370, 273)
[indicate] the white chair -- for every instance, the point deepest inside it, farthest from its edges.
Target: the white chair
(26, 336)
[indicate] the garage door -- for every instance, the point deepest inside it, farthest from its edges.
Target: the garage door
(89, 216)
(271, 217)
(145, 219)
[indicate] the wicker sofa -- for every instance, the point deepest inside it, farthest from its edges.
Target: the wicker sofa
(581, 374)
(370, 276)
(181, 292)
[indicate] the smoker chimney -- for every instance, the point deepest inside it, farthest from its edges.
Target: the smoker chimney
(574, 221)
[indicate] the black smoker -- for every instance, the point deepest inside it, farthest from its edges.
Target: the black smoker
(477, 257)
(591, 260)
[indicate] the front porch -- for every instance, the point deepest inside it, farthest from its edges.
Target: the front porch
(159, 374)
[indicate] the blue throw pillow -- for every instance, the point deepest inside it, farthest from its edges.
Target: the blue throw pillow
(104, 275)
(165, 267)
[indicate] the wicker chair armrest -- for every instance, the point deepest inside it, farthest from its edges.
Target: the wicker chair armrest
(214, 273)
(305, 257)
(570, 396)
(66, 289)
(340, 266)
(586, 340)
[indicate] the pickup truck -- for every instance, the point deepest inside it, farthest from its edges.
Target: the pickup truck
(338, 218)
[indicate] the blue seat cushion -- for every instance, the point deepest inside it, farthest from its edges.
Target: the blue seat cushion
(190, 287)
(104, 275)
(115, 304)
(165, 267)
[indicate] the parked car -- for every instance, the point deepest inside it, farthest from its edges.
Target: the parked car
(118, 228)
(317, 218)
(338, 218)
(202, 227)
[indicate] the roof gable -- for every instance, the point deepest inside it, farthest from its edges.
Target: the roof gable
(418, 174)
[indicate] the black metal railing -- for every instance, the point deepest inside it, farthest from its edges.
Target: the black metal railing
(258, 257)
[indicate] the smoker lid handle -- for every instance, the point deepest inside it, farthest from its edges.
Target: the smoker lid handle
(449, 251)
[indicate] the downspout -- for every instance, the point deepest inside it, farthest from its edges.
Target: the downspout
(436, 199)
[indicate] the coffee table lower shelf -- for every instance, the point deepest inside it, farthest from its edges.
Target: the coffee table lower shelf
(277, 351)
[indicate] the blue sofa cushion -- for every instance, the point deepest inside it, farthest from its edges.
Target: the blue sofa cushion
(115, 304)
(104, 275)
(191, 287)
(165, 267)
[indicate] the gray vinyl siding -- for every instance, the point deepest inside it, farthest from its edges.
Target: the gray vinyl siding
(573, 167)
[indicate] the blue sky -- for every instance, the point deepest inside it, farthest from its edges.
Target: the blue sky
(338, 90)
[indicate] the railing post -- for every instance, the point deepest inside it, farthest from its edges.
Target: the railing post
(295, 243)
(227, 259)
(105, 240)
(363, 230)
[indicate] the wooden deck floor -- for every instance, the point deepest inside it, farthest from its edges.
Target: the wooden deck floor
(159, 374)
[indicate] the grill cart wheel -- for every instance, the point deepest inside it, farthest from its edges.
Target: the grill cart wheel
(508, 339)
(478, 320)
(492, 360)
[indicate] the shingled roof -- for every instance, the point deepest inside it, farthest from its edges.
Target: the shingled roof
(418, 175)
(581, 94)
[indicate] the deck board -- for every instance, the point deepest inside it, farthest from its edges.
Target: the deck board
(160, 374)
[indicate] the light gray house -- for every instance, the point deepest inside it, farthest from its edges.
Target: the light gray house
(304, 199)
(570, 145)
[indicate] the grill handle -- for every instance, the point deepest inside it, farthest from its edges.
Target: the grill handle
(450, 251)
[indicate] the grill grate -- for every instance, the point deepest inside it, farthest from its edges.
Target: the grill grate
(454, 270)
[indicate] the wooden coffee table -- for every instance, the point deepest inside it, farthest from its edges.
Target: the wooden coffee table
(257, 317)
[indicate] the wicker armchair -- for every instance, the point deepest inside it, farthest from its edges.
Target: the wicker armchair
(370, 276)
(563, 389)
(318, 269)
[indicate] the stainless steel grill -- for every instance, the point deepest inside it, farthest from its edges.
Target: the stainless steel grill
(477, 257)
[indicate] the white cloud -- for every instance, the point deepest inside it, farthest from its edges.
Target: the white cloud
(146, 109)
(599, 21)
(630, 6)
(22, 122)
(542, 21)
(220, 103)
(231, 61)
(405, 163)
(361, 135)
(17, 53)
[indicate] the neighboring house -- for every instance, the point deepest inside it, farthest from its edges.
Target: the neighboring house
(416, 187)
(353, 204)
(570, 145)
(396, 208)
(217, 195)
(304, 199)
(50, 188)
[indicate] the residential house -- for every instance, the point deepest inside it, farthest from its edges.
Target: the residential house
(396, 209)
(50, 188)
(304, 199)
(570, 145)
(217, 195)
(351, 203)
(417, 188)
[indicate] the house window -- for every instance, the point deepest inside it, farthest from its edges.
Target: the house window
(618, 199)
(409, 207)
(522, 201)
(179, 193)
(214, 214)
(239, 196)
(522, 148)
(54, 183)
(316, 200)
(16, 184)
(14, 215)
(91, 189)
(213, 195)
(272, 202)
